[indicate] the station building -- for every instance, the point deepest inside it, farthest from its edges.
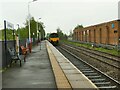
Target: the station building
(107, 33)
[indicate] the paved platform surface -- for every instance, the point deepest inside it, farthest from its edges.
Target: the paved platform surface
(60, 77)
(36, 72)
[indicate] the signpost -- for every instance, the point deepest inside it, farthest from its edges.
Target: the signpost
(7, 25)
(5, 42)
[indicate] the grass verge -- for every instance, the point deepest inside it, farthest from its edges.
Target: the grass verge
(89, 46)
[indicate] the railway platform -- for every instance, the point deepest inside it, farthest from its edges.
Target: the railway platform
(46, 68)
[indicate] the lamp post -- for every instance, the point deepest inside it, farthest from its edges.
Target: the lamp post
(17, 40)
(39, 33)
(30, 43)
(13, 38)
(18, 31)
(29, 17)
(38, 29)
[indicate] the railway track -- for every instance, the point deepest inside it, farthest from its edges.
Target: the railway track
(108, 59)
(100, 79)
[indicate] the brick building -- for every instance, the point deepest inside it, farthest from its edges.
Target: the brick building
(107, 33)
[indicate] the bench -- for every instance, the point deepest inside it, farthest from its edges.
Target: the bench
(14, 56)
(24, 52)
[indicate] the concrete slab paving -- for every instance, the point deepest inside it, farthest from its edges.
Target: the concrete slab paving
(82, 84)
(71, 72)
(36, 72)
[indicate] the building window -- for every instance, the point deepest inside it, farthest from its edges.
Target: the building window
(113, 25)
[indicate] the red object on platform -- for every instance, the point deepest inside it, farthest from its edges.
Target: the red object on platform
(30, 47)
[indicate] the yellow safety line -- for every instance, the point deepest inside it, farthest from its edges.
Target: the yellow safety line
(61, 80)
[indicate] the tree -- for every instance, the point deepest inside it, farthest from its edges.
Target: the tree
(79, 26)
(60, 34)
(24, 31)
(33, 28)
(9, 34)
(71, 34)
(41, 30)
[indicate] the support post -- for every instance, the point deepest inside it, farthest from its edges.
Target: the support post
(5, 42)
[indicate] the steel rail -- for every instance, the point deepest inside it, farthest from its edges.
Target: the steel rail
(113, 81)
(105, 55)
(117, 67)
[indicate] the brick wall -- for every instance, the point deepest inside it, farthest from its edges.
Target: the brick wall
(104, 33)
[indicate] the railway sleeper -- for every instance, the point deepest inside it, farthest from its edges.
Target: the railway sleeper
(92, 77)
(102, 84)
(98, 80)
(85, 69)
(90, 74)
(88, 71)
(108, 87)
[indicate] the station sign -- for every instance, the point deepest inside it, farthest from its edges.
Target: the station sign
(9, 25)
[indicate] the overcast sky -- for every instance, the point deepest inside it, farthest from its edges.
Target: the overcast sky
(65, 14)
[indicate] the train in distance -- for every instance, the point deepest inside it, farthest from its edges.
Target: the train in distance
(54, 38)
